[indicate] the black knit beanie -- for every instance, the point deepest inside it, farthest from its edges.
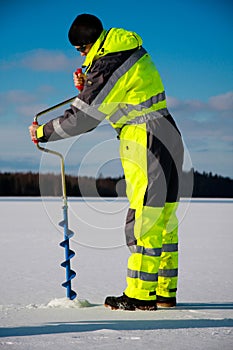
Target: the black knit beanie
(85, 30)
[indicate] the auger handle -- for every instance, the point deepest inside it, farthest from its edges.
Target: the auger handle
(43, 149)
(79, 86)
(35, 122)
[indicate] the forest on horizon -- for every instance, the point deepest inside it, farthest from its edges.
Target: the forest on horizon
(35, 184)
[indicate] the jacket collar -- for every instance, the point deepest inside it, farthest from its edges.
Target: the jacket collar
(113, 40)
(92, 54)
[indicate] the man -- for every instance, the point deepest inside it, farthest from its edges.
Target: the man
(123, 86)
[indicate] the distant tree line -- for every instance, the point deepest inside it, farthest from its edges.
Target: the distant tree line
(209, 185)
(34, 184)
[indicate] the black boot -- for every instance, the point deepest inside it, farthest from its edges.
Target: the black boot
(125, 303)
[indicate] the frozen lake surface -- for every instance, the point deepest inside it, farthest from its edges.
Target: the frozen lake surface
(36, 315)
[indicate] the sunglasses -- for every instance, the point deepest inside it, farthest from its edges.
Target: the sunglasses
(81, 48)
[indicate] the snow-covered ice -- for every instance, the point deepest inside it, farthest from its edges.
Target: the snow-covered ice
(35, 314)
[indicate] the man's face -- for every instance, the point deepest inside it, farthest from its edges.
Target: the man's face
(84, 49)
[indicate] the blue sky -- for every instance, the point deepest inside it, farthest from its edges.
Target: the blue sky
(189, 41)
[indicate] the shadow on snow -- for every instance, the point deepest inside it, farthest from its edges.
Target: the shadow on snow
(119, 325)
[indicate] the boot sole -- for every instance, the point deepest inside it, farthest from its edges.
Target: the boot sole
(141, 308)
(118, 308)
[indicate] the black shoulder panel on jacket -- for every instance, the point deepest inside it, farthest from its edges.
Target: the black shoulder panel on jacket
(101, 71)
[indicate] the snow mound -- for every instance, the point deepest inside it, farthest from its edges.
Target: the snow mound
(62, 303)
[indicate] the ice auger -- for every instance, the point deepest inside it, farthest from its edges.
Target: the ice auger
(69, 254)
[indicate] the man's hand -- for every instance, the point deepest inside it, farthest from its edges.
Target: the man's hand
(79, 79)
(32, 130)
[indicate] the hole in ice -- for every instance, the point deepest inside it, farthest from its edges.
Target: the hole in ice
(63, 303)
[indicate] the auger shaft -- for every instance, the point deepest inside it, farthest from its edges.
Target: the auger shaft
(69, 254)
(70, 274)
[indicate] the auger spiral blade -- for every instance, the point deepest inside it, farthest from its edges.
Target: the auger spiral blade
(69, 254)
(69, 233)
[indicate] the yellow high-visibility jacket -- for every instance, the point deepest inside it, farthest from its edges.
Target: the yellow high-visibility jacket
(122, 86)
